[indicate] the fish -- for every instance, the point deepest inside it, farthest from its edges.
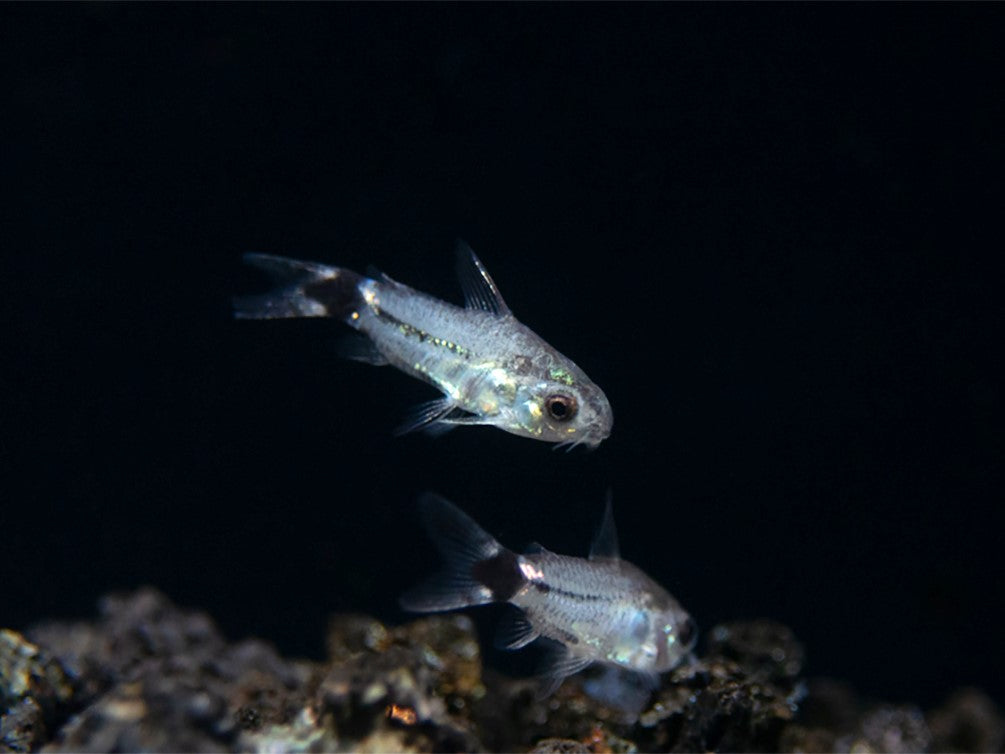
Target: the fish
(491, 369)
(600, 610)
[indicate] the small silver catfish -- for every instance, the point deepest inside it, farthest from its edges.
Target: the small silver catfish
(491, 368)
(599, 610)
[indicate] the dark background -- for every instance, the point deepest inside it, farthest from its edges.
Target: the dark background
(769, 232)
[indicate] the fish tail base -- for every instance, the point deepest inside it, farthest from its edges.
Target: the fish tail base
(478, 569)
(309, 290)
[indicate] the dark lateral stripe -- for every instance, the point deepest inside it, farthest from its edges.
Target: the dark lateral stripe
(340, 295)
(423, 336)
(548, 588)
(501, 574)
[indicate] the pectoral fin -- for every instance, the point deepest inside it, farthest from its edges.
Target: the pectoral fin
(438, 416)
(621, 688)
(560, 664)
(428, 417)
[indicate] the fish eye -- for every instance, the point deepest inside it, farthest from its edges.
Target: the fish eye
(687, 632)
(561, 408)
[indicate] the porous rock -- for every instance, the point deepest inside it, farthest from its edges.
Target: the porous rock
(148, 675)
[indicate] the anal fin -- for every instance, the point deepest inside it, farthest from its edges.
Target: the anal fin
(358, 347)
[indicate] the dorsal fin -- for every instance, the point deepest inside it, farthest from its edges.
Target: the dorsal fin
(605, 543)
(375, 273)
(480, 291)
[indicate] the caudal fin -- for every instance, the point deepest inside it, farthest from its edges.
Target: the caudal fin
(308, 290)
(478, 569)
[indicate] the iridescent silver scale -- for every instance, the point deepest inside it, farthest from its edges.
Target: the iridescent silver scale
(491, 369)
(602, 609)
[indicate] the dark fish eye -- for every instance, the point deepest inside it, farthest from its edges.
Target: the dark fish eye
(687, 632)
(561, 408)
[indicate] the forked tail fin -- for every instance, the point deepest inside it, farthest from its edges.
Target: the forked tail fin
(478, 569)
(308, 290)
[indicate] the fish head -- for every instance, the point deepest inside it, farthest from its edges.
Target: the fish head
(562, 405)
(675, 635)
(656, 634)
(651, 638)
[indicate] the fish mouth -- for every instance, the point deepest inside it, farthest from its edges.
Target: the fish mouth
(600, 428)
(591, 438)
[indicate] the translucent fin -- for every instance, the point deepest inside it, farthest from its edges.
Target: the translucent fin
(437, 417)
(427, 416)
(308, 290)
(358, 347)
(463, 545)
(272, 306)
(284, 270)
(559, 665)
(536, 548)
(515, 631)
(605, 543)
(621, 688)
(445, 591)
(375, 273)
(480, 291)
(459, 417)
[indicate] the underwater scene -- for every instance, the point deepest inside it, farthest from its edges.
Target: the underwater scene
(502, 377)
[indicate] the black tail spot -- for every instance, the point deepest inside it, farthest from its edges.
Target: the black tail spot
(339, 295)
(501, 574)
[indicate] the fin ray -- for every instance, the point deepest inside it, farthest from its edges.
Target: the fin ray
(559, 664)
(444, 591)
(358, 347)
(621, 688)
(427, 416)
(464, 546)
(515, 630)
(605, 542)
(480, 291)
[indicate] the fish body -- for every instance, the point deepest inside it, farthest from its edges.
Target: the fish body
(600, 609)
(491, 368)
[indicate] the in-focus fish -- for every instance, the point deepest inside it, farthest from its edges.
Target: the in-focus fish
(491, 368)
(599, 610)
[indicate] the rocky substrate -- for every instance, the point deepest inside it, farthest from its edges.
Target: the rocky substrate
(150, 676)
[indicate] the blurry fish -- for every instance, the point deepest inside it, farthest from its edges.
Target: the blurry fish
(599, 610)
(491, 369)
